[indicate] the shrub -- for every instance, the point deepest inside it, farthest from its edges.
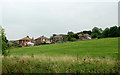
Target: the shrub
(17, 45)
(42, 43)
(72, 39)
(6, 52)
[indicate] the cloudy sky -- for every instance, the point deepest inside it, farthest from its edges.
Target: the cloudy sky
(42, 17)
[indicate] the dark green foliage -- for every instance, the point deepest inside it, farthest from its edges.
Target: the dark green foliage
(65, 38)
(96, 30)
(4, 41)
(87, 32)
(97, 33)
(70, 38)
(17, 45)
(111, 32)
(70, 33)
(54, 35)
(114, 31)
(51, 38)
(106, 32)
(73, 39)
(42, 43)
(119, 31)
(57, 40)
(94, 35)
(76, 36)
(6, 52)
(9, 45)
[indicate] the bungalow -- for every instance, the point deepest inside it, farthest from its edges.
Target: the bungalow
(84, 36)
(24, 41)
(57, 38)
(42, 39)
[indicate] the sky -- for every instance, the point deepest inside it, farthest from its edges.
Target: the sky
(35, 18)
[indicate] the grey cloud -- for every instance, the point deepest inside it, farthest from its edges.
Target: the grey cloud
(46, 18)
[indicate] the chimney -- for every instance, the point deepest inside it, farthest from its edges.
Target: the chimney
(27, 36)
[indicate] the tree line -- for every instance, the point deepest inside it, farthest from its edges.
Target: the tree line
(96, 32)
(107, 32)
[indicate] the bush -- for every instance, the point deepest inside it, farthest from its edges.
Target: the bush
(57, 40)
(17, 45)
(42, 43)
(94, 35)
(71, 39)
(6, 52)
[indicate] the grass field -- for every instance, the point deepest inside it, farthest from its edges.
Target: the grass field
(91, 56)
(93, 48)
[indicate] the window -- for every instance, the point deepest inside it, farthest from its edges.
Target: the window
(43, 39)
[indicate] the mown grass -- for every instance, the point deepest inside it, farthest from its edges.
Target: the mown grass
(63, 64)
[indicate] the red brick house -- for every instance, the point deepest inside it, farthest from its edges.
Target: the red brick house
(25, 40)
(42, 39)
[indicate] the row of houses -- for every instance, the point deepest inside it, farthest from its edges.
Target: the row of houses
(28, 41)
(58, 38)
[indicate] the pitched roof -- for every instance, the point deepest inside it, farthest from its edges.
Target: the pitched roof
(57, 36)
(42, 37)
(86, 34)
(10, 42)
(25, 38)
(80, 34)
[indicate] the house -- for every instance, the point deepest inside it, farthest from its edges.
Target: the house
(87, 36)
(84, 36)
(10, 43)
(42, 39)
(24, 41)
(58, 38)
(81, 36)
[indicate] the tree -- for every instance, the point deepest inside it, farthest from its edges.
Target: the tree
(87, 32)
(54, 35)
(94, 35)
(70, 33)
(51, 38)
(114, 31)
(119, 31)
(4, 41)
(76, 36)
(106, 32)
(65, 38)
(71, 38)
(96, 30)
